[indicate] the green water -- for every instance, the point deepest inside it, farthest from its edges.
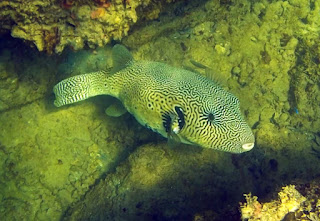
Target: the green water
(76, 163)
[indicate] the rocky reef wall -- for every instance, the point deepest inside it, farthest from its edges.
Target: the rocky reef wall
(51, 25)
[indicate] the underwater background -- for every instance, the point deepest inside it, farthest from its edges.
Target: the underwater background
(77, 163)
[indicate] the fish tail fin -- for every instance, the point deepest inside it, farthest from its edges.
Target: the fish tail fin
(121, 57)
(80, 87)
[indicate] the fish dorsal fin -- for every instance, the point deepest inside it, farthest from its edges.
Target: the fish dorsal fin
(121, 58)
(116, 109)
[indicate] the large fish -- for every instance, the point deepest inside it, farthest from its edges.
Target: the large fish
(176, 103)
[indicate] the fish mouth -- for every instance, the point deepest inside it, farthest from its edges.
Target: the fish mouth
(247, 146)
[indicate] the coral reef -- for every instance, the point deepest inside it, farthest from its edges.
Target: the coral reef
(289, 201)
(290, 205)
(310, 210)
(78, 162)
(52, 25)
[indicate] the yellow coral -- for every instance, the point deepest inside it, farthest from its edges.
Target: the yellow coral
(290, 198)
(98, 13)
(252, 208)
(289, 201)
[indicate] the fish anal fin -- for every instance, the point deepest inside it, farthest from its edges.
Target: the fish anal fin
(173, 140)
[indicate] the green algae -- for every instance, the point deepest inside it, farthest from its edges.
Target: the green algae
(50, 158)
(161, 178)
(266, 52)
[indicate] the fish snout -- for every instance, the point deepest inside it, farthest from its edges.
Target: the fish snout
(247, 146)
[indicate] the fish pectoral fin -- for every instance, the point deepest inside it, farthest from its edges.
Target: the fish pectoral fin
(116, 109)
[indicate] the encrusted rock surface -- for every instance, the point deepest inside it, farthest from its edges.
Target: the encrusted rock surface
(53, 24)
(75, 161)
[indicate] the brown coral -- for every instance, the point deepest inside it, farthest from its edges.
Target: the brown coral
(51, 38)
(98, 13)
(67, 4)
(102, 3)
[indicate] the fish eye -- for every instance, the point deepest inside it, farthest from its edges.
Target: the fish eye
(210, 117)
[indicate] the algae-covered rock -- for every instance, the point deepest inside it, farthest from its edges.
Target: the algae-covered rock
(52, 25)
(22, 83)
(78, 162)
(160, 183)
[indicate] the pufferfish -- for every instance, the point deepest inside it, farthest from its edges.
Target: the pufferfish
(176, 103)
